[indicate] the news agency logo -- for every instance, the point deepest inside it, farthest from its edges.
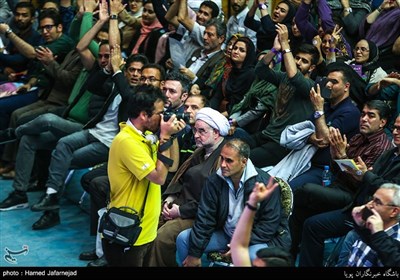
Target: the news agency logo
(9, 256)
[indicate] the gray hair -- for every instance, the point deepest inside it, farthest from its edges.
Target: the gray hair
(240, 146)
(396, 195)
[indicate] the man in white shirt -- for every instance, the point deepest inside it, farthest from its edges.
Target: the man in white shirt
(236, 21)
(189, 31)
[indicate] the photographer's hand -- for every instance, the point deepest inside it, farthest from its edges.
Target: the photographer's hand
(4, 27)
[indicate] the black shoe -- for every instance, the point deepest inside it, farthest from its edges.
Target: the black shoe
(49, 219)
(88, 256)
(99, 262)
(37, 187)
(15, 200)
(7, 135)
(48, 202)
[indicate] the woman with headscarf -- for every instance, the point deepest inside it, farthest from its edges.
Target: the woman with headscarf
(129, 21)
(145, 41)
(253, 112)
(365, 61)
(266, 33)
(241, 76)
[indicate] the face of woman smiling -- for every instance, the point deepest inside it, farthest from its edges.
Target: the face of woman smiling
(148, 15)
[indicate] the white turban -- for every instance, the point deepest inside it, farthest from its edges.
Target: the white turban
(214, 119)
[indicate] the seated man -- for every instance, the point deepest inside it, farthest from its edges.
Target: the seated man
(224, 195)
(379, 230)
(13, 65)
(271, 256)
(182, 196)
(337, 111)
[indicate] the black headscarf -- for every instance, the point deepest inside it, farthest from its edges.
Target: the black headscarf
(240, 79)
(291, 13)
(372, 62)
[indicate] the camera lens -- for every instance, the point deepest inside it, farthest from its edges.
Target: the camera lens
(179, 116)
(167, 115)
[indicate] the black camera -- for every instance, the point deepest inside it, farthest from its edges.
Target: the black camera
(365, 213)
(179, 116)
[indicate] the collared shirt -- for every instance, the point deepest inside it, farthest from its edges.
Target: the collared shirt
(236, 25)
(236, 197)
(363, 256)
(369, 148)
(199, 62)
(190, 41)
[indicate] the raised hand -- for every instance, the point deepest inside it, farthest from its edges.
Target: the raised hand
(103, 10)
(262, 191)
(117, 61)
(45, 55)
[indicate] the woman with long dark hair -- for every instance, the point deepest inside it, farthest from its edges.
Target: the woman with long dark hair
(233, 87)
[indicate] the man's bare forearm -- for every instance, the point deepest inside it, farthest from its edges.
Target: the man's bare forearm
(23, 47)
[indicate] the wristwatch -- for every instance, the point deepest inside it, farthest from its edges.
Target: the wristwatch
(318, 114)
(262, 6)
(349, 10)
(113, 17)
(8, 32)
(286, 51)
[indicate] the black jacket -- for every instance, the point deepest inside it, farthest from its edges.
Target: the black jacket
(270, 222)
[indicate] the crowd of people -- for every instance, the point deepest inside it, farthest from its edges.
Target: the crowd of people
(203, 123)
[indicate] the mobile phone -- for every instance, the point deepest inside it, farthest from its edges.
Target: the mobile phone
(22, 90)
(322, 81)
(366, 213)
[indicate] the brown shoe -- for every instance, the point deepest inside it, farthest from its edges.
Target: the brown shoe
(9, 175)
(7, 168)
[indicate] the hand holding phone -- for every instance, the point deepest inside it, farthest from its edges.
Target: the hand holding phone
(366, 213)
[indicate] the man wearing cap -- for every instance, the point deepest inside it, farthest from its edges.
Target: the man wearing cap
(224, 197)
(181, 198)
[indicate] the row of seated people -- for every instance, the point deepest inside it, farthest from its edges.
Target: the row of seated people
(238, 81)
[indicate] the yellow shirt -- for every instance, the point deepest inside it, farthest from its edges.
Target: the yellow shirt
(131, 159)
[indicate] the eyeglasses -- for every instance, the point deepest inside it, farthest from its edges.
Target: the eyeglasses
(46, 27)
(143, 79)
(378, 202)
(105, 56)
(201, 131)
(362, 49)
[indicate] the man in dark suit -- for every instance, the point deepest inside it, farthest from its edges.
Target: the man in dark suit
(200, 65)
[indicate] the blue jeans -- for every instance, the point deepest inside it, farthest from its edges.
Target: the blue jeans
(347, 247)
(11, 103)
(78, 150)
(218, 243)
(42, 133)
